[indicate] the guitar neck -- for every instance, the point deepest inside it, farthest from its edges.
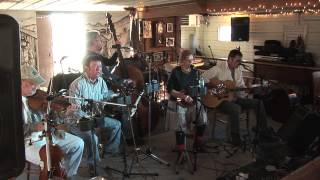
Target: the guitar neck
(239, 89)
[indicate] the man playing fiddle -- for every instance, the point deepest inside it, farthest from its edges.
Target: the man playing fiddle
(72, 146)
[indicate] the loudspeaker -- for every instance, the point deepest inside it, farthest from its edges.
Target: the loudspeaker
(240, 28)
(12, 155)
(301, 130)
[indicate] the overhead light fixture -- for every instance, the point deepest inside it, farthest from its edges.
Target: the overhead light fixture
(140, 6)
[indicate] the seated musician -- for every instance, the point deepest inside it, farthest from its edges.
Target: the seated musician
(71, 145)
(91, 86)
(231, 71)
(182, 78)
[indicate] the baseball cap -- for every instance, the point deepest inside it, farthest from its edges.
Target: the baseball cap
(30, 73)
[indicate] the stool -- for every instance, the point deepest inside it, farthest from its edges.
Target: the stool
(213, 119)
(212, 124)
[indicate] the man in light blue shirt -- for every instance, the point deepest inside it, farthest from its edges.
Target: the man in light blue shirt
(91, 86)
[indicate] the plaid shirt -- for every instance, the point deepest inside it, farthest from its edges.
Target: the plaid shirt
(83, 87)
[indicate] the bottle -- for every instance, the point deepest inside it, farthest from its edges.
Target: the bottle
(201, 86)
(201, 82)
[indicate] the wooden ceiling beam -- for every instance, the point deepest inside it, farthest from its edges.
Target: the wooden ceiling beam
(172, 9)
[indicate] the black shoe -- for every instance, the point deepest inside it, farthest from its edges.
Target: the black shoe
(236, 140)
(200, 148)
(268, 136)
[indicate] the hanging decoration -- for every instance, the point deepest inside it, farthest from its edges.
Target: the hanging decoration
(267, 9)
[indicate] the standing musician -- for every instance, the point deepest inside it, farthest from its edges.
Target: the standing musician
(71, 145)
(182, 78)
(231, 71)
(91, 86)
(94, 47)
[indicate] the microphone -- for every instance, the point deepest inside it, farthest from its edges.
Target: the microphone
(215, 61)
(210, 50)
(63, 58)
(60, 93)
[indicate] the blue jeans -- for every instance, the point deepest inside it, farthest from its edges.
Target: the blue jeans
(233, 109)
(113, 128)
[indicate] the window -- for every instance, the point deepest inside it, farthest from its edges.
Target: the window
(68, 36)
(224, 33)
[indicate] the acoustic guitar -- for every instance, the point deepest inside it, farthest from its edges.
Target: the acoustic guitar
(220, 93)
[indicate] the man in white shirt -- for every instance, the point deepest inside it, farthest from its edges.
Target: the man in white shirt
(231, 70)
(72, 146)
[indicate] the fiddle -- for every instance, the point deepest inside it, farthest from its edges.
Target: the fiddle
(53, 163)
(39, 102)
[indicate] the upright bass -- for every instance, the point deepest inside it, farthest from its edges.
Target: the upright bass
(136, 75)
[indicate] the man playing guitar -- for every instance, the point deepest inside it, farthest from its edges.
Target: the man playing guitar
(230, 73)
(181, 80)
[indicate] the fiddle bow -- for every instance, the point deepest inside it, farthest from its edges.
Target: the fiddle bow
(50, 154)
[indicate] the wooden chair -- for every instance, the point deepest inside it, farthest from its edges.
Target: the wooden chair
(218, 116)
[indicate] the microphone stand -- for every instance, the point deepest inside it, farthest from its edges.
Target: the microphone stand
(126, 172)
(215, 61)
(62, 75)
(148, 151)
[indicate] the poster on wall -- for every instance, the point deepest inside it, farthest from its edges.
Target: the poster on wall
(170, 42)
(169, 27)
(28, 49)
(147, 31)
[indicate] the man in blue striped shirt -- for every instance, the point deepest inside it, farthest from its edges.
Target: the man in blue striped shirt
(91, 86)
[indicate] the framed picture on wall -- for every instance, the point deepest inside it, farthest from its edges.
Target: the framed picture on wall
(158, 30)
(170, 42)
(169, 27)
(147, 29)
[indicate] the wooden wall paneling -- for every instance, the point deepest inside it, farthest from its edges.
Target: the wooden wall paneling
(148, 45)
(172, 9)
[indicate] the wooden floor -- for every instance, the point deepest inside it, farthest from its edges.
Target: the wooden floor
(210, 165)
